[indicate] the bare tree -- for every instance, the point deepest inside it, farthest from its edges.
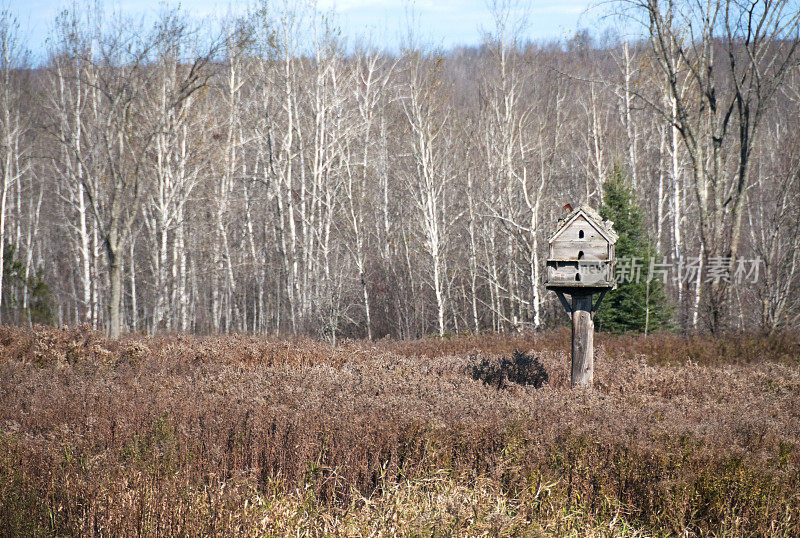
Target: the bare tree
(424, 105)
(774, 230)
(13, 123)
(372, 76)
(734, 55)
(506, 124)
(175, 174)
(117, 135)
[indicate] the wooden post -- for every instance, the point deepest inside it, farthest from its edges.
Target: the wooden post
(582, 340)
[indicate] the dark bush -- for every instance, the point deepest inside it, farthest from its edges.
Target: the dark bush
(521, 369)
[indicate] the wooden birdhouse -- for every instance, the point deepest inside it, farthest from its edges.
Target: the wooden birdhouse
(581, 253)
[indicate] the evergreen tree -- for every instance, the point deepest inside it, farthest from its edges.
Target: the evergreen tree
(39, 309)
(636, 304)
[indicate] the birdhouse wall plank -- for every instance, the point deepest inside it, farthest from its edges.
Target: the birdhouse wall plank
(565, 273)
(570, 249)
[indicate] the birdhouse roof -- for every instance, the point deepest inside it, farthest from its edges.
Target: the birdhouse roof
(592, 217)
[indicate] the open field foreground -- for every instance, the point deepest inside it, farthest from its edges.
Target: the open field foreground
(226, 436)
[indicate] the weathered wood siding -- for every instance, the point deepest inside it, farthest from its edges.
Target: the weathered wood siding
(564, 272)
(568, 245)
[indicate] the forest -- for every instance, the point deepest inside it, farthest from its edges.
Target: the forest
(276, 178)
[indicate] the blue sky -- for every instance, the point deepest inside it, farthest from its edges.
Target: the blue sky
(440, 23)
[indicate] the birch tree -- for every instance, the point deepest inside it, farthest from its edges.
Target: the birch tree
(773, 218)
(175, 173)
(506, 148)
(13, 123)
(424, 105)
(372, 77)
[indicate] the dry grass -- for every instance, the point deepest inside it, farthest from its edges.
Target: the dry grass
(177, 435)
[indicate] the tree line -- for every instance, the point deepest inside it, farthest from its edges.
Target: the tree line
(274, 178)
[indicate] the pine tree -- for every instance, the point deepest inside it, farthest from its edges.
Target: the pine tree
(637, 304)
(39, 307)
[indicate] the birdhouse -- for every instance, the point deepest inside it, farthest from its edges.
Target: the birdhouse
(582, 252)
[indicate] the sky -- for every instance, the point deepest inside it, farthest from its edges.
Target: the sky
(440, 23)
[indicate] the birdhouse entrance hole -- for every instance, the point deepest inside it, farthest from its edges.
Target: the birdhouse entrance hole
(580, 234)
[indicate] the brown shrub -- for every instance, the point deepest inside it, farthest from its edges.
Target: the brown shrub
(204, 435)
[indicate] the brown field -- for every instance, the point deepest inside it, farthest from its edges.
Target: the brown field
(237, 435)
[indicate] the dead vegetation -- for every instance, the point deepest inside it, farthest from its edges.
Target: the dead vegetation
(176, 435)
